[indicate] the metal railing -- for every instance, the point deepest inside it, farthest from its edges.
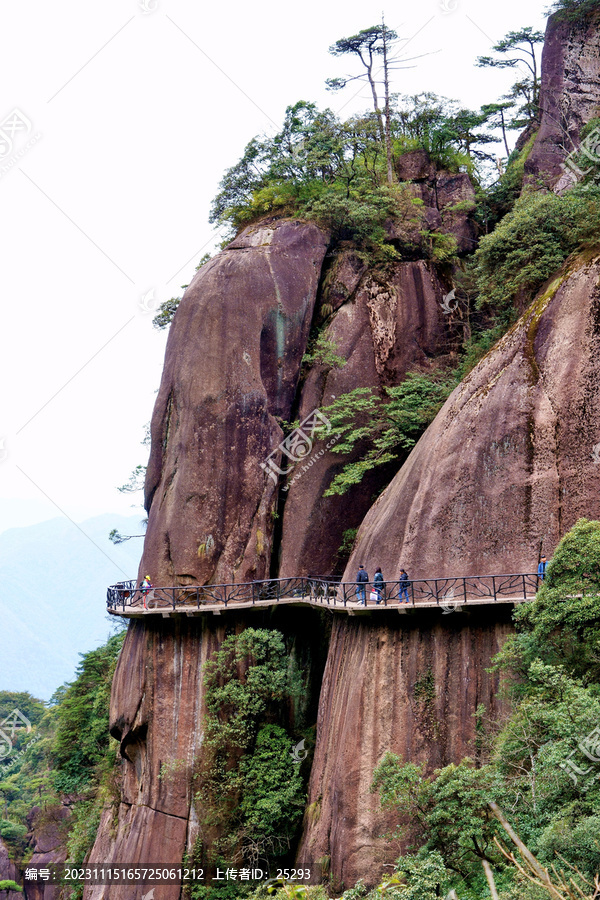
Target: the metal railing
(448, 592)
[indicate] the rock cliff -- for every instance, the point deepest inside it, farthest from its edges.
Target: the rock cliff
(507, 467)
(383, 331)
(409, 685)
(156, 712)
(568, 98)
(509, 464)
(232, 367)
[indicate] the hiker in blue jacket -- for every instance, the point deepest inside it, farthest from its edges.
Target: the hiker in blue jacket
(362, 576)
(404, 585)
(542, 568)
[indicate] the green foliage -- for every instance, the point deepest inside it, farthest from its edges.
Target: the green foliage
(442, 248)
(7, 885)
(272, 802)
(323, 352)
(515, 51)
(387, 425)
(421, 877)
(12, 832)
(166, 312)
(576, 11)
(532, 242)
(32, 708)
(449, 809)
(82, 742)
(68, 749)
(502, 195)
(562, 627)
(251, 795)
(348, 541)
(450, 135)
(334, 172)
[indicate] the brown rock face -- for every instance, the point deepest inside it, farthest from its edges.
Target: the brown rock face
(232, 365)
(383, 331)
(410, 686)
(509, 462)
(48, 839)
(448, 200)
(156, 712)
(569, 98)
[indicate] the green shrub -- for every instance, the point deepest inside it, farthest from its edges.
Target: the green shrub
(531, 243)
(576, 11)
(250, 795)
(82, 742)
(8, 885)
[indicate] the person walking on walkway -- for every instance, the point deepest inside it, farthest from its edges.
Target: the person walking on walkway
(404, 585)
(542, 568)
(378, 585)
(145, 588)
(362, 577)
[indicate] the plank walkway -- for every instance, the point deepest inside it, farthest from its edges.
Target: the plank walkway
(448, 594)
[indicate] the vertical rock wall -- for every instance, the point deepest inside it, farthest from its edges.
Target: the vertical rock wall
(410, 685)
(232, 366)
(157, 708)
(569, 98)
(382, 330)
(507, 467)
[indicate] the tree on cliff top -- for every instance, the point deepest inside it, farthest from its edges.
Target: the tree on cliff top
(515, 50)
(370, 44)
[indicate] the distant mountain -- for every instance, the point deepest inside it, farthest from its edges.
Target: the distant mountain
(53, 580)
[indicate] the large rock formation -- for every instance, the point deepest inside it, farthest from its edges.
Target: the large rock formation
(156, 712)
(568, 98)
(47, 833)
(232, 366)
(507, 467)
(383, 330)
(509, 464)
(409, 685)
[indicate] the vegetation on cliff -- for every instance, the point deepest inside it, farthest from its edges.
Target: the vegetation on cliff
(575, 11)
(250, 793)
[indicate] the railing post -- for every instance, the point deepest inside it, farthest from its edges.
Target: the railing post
(494, 587)
(465, 589)
(524, 588)
(197, 598)
(253, 593)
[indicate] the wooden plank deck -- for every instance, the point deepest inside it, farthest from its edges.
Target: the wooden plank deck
(352, 608)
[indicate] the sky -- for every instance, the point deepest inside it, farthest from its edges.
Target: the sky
(117, 121)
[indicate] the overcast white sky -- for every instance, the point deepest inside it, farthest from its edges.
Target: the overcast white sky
(128, 114)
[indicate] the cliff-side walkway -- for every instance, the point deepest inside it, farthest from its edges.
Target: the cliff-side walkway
(447, 593)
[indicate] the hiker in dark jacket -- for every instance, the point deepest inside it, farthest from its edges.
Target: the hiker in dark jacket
(362, 577)
(404, 585)
(378, 585)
